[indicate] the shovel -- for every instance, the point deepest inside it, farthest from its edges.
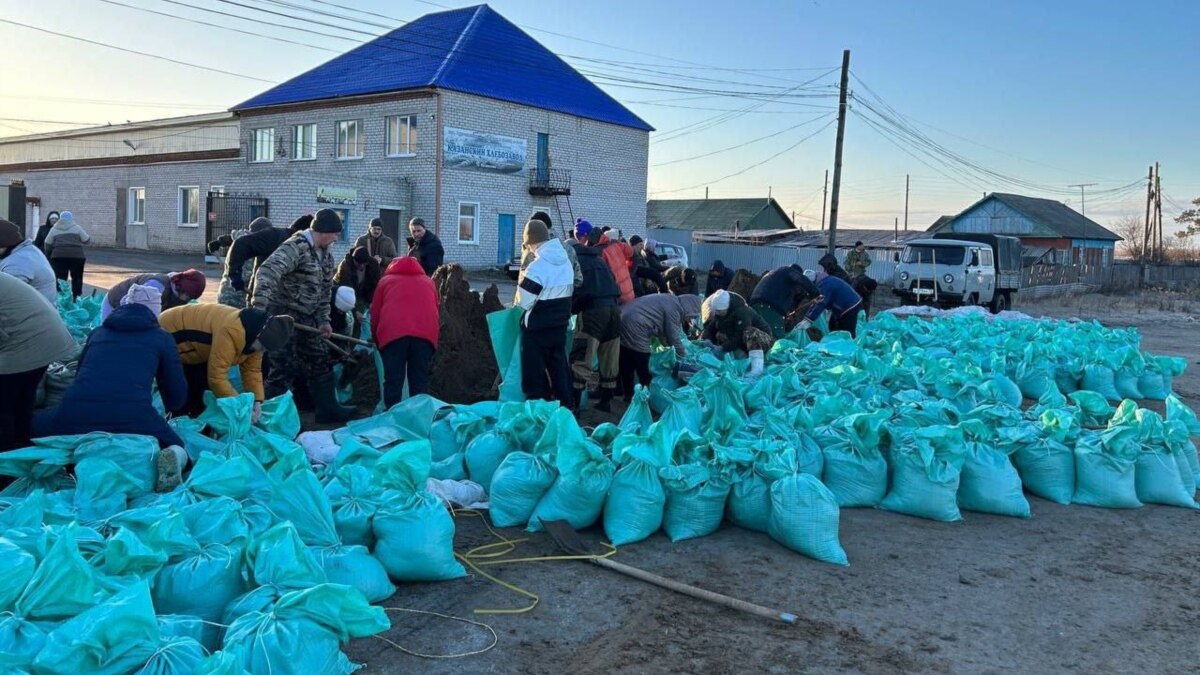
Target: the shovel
(569, 541)
(335, 336)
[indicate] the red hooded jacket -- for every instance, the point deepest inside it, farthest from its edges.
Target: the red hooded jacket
(405, 304)
(617, 255)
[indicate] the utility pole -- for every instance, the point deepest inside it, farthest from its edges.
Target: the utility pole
(706, 192)
(896, 230)
(1082, 207)
(1146, 227)
(837, 153)
(824, 200)
(1158, 213)
(906, 202)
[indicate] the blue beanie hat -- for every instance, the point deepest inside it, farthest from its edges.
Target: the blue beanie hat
(582, 227)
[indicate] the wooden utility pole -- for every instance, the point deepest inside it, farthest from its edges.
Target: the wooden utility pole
(906, 202)
(824, 200)
(1159, 252)
(1146, 228)
(1082, 206)
(837, 153)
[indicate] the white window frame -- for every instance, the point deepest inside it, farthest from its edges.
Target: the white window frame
(405, 147)
(131, 206)
(311, 144)
(359, 140)
(257, 143)
(179, 206)
(474, 225)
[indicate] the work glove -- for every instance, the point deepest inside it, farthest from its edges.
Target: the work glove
(256, 412)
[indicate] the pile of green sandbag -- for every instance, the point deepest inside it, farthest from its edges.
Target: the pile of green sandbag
(81, 315)
(256, 563)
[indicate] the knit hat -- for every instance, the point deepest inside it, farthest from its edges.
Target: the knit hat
(276, 331)
(326, 221)
(344, 299)
(375, 222)
(66, 218)
(544, 217)
(260, 224)
(10, 234)
(651, 245)
(301, 223)
(717, 302)
(147, 296)
(360, 255)
(811, 274)
(191, 282)
(582, 228)
(536, 232)
(635, 240)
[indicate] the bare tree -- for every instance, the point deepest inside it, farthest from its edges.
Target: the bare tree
(1132, 229)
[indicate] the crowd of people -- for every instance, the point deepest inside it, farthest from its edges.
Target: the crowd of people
(282, 298)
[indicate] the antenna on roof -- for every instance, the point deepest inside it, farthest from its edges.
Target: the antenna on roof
(706, 192)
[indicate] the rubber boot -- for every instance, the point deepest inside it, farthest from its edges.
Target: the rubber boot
(605, 402)
(756, 363)
(301, 395)
(329, 411)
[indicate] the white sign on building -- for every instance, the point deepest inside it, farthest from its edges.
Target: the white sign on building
(475, 151)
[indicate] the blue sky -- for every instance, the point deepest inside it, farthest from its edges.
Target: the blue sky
(1036, 95)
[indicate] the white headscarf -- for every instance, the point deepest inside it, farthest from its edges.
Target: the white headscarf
(717, 302)
(147, 296)
(345, 299)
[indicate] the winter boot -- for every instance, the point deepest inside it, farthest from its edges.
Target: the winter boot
(756, 364)
(605, 402)
(170, 463)
(577, 404)
(324, 398)
(301, 395)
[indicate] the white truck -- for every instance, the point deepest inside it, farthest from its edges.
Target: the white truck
(955, 269)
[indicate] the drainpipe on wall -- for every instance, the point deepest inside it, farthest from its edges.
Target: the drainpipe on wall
(437, 181)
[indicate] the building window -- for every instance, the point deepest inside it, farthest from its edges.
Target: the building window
(304, 142)
(137, 205)
(468, 222)
(217, 189)
(262, 145)
(401, 135)
(349, 139)
(189, 205)
(344, 214)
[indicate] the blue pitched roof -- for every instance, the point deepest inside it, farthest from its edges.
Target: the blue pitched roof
(472, 50)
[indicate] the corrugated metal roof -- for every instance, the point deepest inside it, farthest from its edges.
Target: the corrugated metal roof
(473, 50)
(1053, 215)
(713, 215)
(878, 239)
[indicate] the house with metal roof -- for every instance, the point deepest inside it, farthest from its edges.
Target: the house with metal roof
(717, 215)
(459, 118)
(1048, 229)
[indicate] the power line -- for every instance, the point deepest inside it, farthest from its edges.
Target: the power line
(16, 119)
(133, 51)
(742, 145)
(219, 26)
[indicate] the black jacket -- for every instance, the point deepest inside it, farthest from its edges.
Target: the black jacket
(717, 283)
(599, 288)
(256, 245)
(833, 268)
(347, 275)
(728, 331)
(428, 252)
(784, 288)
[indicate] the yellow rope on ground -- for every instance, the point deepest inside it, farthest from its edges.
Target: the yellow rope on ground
(495, 637)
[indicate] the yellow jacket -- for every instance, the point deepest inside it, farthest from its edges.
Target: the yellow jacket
(216, 335)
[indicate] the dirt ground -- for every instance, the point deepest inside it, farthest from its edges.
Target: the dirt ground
(1071, 589)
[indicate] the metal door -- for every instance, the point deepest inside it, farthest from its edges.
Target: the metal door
(122, 216)
(543, 158)
(507, 234)
(227, 212)
(391, 224)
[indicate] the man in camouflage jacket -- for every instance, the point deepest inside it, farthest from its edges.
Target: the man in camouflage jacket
(297, 279)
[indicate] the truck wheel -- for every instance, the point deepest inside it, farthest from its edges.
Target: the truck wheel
(999, 303)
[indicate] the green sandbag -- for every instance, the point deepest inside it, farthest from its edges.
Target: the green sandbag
(354, 499)
(804, 518)
(1102, 380)
(404, 468)
(724, 408)
(584, 477)
(604, 435)
(1046, 466)
(504, 328)
(1126, 382)
(36, 468)
(301, 500)
(854, 468)
(1035, 381)
(19, 566)
(1157, 481)
(355, 567)
(219, 520)
(1179, 411)
(228, 417)
(179, 626)
(280, 417)
(1153, 386)
(103, 489)
(201, 583)
(636, 500)
(194, 440)
(695, 501)
(749, 503)
(484, 455)
(1104, 469)
(926, 472)
(637, 418)
(990, 484)
(220, 663)
(1094, 409)
(301, 633)
(1003, 390)
(114, 637)
(175, 656)
(517, 486)
(125, 554)
(414, 539)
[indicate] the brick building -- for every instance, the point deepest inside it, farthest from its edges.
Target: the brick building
(458, 117)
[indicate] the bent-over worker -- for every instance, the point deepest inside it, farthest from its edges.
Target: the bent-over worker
(842, 302)
(175, 288)
(779, 293)
(734, 327)
(659, 315)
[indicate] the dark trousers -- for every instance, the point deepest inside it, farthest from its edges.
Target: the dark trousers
(635, 368)
(847, 322)
(197, 383)
(405, 358)
(544, 355)
(18, 391)
(73, 267)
